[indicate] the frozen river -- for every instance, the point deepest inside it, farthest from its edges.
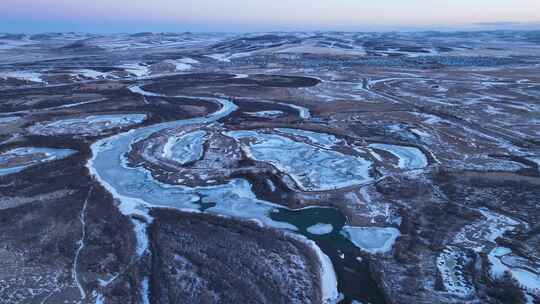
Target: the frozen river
(137, 189)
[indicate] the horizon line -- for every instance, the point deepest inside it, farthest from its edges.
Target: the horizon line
(83, 28)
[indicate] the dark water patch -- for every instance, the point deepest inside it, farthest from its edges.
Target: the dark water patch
(353, 275)
(172, 85)
(284, 81)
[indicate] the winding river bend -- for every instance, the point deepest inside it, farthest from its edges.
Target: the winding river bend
(137, 190)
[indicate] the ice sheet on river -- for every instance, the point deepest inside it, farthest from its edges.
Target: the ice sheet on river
(321, 139)
(18, 159)
(372, 239)
(311, 167)
(408, 157)
(137, 188)
(7, 120)
(89, 125)
(320, 229)
(503, 260)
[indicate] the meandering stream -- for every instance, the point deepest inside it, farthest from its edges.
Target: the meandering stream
(136, 190)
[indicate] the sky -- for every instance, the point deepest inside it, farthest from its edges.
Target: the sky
(261, 15)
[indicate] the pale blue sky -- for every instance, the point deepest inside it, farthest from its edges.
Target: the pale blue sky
(255, 15)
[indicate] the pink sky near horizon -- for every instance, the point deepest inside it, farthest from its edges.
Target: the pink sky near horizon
(321, 13)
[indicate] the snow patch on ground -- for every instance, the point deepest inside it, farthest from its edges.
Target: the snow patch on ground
(421, 133)
(145, 291)
(451, 263)
(186, 148)
(304, 113)
(328, 277)
(223, 57)
(188, 60)
(22, 75)
(535, 159)
(271, 185)
(92, 74)
(138, 90)
(488, 229)
(100, 299)
(429, 119)
(265, 114)
(376, 208)
(476, 237)
(183, 64)
(219, 57)
(142, 236)
(136, 69)
(80, 243)
(241, 76)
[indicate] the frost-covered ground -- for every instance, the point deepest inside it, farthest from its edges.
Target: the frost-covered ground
(322, 167)
(451, 263)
